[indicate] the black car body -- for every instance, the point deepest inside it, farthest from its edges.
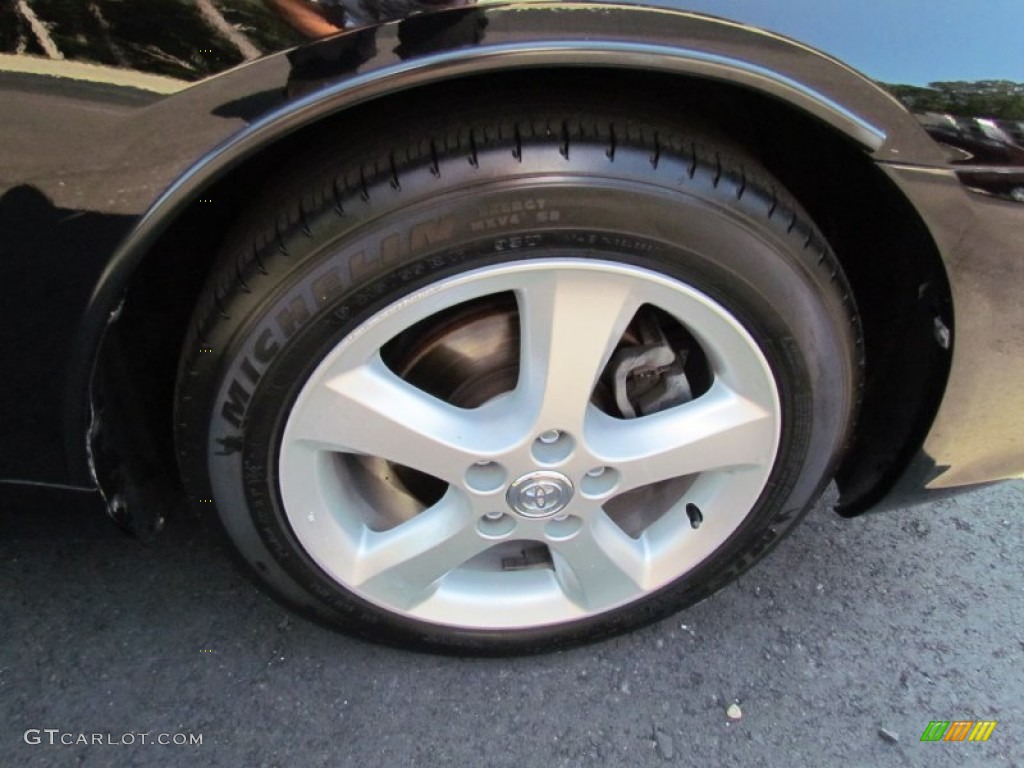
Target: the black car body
(130, 136)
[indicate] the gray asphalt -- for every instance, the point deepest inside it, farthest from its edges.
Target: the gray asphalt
(849, 627)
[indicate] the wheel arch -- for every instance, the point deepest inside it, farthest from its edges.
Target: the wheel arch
(178, 234)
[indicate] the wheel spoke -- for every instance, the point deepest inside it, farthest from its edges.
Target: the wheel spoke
(369, 410)
(570, 326)
(601, 566)
(404, 566)
(719, 430)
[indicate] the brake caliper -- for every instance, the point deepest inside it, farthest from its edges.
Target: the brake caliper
(649, 377)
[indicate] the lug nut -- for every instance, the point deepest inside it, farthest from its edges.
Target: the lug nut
(494, 515)
(551, 436)
(596, 472)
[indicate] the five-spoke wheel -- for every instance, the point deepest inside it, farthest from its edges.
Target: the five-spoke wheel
(552, 508)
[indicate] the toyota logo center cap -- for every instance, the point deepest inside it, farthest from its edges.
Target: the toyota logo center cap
(540, 494)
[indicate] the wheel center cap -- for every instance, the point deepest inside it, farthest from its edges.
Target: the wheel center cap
(539, 494)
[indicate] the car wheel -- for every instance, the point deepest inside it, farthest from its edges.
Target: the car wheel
(505, 385)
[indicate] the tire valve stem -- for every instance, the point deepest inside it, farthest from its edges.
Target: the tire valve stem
(696, 516)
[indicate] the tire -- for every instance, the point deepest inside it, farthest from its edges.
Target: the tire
(507, 385)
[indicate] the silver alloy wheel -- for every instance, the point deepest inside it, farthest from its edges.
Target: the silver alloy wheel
(522, 536)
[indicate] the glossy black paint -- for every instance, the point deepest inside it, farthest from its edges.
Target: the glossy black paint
(96, 164)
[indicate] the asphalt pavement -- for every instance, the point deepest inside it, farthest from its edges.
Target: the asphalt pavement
(838, 650)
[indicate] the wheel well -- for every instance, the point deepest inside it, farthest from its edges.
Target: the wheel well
(892, 263)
